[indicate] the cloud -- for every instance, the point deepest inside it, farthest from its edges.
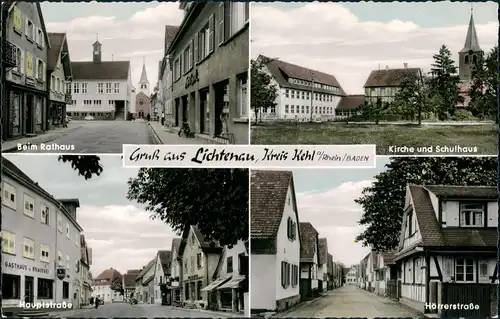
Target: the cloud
(341, 44)
(335, 216)
(139, 37)
(122, 237)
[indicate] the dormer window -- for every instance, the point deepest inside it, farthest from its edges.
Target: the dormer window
(471, 215)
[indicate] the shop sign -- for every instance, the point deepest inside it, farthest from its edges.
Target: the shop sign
(61, 273)
(192, 79)
(13, 265)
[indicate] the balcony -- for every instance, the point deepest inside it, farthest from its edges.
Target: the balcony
(68, 98)
(10, 55)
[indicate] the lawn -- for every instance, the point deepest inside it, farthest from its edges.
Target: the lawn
(483, 137)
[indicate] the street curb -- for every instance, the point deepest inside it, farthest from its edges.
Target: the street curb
(303, 304)
(156, 138)
(14, 149)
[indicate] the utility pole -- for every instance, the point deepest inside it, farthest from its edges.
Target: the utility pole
(312, 95)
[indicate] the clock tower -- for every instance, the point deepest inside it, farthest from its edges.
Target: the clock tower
(97, 51)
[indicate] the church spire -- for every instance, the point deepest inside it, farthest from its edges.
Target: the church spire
(144, 75)
(471, 41)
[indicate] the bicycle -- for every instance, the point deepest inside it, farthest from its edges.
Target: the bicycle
(185, 130)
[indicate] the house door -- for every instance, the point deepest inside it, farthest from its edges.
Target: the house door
(28, 289)
(30, 124)
(184, 108)
(203, 111)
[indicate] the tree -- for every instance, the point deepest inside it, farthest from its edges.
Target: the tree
(484, 83)
(383, 202)
(86, 165)
(412, 98)
(444, 83)
(117, 285)
(216, 200)
(263, 91)
(374, 111)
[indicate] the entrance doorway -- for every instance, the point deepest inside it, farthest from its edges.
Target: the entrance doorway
(184, 108)
(28, 289)
(30, 124)
(204, 113)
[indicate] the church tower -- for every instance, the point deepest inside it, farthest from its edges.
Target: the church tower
(471, 52)
(97, 53)
(143, 82)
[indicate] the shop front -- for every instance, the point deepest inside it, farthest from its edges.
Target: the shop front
(25, 280)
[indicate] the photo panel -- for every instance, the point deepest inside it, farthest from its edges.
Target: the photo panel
(100, 240)
(408, 77)
(124, 73)
(413, 237)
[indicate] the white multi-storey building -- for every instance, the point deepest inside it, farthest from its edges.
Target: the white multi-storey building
(101, 286)
(40, 243)
(303, 94)
(165, 83)
(100, 89)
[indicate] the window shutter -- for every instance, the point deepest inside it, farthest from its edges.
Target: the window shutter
(181, 64)
(35, 68)
(247, 11)
(211, 33)
(227, 20)
(44, 76)
(22, 64)
(283, 274)
(196, 41)
(26, 26)
(220, 24)
(42, 39)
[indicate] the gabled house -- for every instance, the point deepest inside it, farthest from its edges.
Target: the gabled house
(200, 257)
(309, 261)
(337, 274)
(129, 283)
(142, 283)
(351, 276)
(371, 265)
(363, 281)
(329, 275)
(275, 241)
(102, 286)
(448, 248)
(323, 265)
(162, 293)
(59, 77)
(176, 271)
(384, 84)
(230, 285)
(386, 274)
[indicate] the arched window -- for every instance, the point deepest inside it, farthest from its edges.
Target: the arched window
(466, 59)
(474, 58)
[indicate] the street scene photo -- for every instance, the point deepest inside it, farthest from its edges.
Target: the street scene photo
(110, 74)
(408, 77)
(380, 242)
(100, 240)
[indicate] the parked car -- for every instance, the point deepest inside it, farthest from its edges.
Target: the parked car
(89, 118)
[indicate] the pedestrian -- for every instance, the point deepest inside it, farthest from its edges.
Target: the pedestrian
(148, 117)
(97, 302)
(162, 118)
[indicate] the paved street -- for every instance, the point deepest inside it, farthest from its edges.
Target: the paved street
(349, 301)
(141, 310)
(94, 137)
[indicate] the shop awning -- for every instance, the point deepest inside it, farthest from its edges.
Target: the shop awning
(233, 283)
(216, 283)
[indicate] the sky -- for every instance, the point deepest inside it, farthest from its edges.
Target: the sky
(120, 232)
(325, 198)
(350, 40)
(132, 32)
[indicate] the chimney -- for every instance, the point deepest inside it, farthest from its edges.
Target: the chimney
(387, 68)
(406, 65)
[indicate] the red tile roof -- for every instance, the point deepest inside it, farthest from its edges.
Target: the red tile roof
(308, 242)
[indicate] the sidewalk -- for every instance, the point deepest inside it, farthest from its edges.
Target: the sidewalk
(164, 135)
(58, 132)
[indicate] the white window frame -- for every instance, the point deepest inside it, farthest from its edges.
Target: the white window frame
(117, 88)
(44, 248)
(243, 97)
(483, 265)
(28, 243)
(108, 88)
(84, 88)
(7, 191)
(464, 265)
(8, 242)
(473, 211)
(76, 88)
(100, 88)
(67, 262)
(29, 206)
(44, 214)
(237, 15)
(59, 223)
